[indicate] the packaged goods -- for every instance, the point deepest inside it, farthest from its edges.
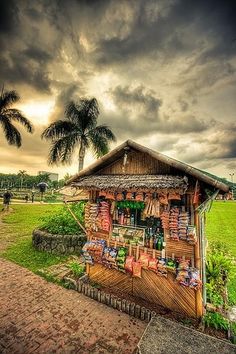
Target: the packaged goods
(144, 260)
(120, 259)
(137, 269)
(129, 264)
(153, 264)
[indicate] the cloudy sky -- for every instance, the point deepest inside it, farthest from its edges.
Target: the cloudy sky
(163, 72)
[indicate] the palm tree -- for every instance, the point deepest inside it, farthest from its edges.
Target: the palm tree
(21, 174)
(79, 129)
(9, 115)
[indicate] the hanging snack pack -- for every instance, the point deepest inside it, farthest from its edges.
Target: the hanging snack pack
(183, 225)
(109, 257)
(153, 262)
(93, 250)
(120, 259)
(104, 213)
(195, 281)
(129, 264)
(191, 234)
(183, 276)
(161, 268)
(170, 264)
(173, 223)
(137, 269)
(165, 220)
(144, 260)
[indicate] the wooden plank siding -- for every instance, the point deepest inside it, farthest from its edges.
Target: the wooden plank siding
(151, 287)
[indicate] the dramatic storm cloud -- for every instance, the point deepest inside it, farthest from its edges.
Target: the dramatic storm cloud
(163, 72)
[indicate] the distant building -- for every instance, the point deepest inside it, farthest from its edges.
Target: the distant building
(53, 176)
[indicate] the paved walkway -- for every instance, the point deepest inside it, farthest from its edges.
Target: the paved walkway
(40, 317)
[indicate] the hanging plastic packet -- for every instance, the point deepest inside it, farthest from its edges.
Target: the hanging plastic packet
(129, 264)
(144, 260)
(161, 268)
(137, 270)
(153, 264)
(120, 259)
(195, 281)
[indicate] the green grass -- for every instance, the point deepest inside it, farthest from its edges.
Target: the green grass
(221, 226)
(16, 232)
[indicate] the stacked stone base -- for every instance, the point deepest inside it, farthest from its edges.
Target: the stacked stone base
(58, 244)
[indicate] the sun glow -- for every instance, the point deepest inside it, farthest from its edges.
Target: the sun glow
(37, 111)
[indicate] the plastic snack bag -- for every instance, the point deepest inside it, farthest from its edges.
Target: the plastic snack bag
(153, 264)
(144, 260)
(129, 264)
(137, 270)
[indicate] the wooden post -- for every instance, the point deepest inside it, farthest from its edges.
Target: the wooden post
(197, 254)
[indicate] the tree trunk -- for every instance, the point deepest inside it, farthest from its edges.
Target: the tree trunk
(81, 157)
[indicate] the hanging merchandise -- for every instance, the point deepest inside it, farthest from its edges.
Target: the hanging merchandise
(129, 196)
(173, 223)
(183, 225)
(129, 264)
(120, 259)
(152, 208)
(91, 213)
(173, 195)
(161, 268)
(153, 264)
(102, 194)
(137, 269)
(93, 250)
(183, 276)
(170, 264)
(109, 257)
(191, 234)
(144, 260)
(195, 281)
(110, 195)
(163, 198)
(165, 220)
(104, 215)
(139, 197)
(119, 196)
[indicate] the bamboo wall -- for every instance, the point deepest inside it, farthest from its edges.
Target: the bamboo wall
(151, 287)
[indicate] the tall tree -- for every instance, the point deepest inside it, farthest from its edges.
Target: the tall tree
(21, 174)
(79, 129)
(9, 115)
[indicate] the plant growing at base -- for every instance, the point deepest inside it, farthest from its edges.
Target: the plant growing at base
(216, 320)
(77, 269)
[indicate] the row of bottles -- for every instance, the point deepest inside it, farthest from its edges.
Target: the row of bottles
(125, 216)
(154, 240)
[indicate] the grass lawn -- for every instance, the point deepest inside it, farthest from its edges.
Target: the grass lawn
(16, 236)
(221, 226)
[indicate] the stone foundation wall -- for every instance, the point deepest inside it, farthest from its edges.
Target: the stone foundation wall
(58, 244)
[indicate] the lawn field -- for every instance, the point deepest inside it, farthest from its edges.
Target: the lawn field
(221, 224)
(16, 235)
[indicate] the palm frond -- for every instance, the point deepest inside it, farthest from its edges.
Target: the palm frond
(59, 129)
(62, 149)
(84, 114)
(7, 99)
(105, 132)
(11, 133)
(16, 115)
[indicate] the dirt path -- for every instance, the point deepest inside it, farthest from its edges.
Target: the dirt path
(41, 317)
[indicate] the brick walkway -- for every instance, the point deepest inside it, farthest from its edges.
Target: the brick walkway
(40, 317)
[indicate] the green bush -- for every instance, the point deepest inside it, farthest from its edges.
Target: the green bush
(77, 269)
(215, 320)
(62, 222)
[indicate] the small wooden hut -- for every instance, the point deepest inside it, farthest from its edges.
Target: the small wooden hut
(145, 225)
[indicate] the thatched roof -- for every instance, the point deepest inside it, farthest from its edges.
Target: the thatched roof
(125, 182)
(118, 152)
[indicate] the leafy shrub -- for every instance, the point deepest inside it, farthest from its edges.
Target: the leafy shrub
(215, 320)
(62, 222)
(77, 269)
(219, 269)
